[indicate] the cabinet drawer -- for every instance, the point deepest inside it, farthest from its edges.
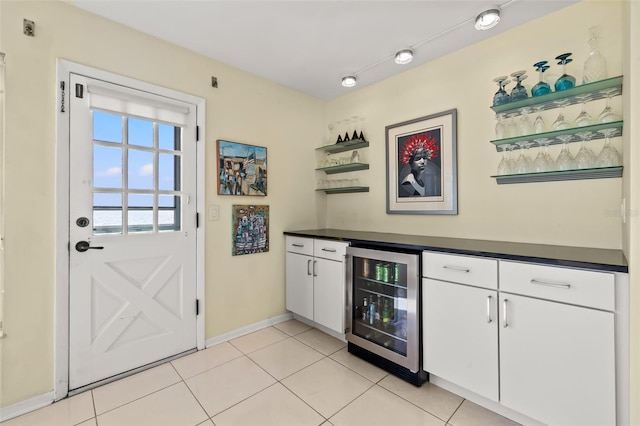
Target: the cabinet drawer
(327, 249)
(300, 245)
(575, 286)
(470, 270)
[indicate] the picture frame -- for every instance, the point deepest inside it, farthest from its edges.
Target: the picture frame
(250, 233)
(422, 165)
(242, 168)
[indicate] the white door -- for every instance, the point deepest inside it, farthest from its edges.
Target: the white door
(132, 229)
(299, 277)
(329, 294)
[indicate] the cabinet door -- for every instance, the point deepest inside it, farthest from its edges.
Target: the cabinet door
(557, 361)
(299, 278)
(329, 294)
(460, 340)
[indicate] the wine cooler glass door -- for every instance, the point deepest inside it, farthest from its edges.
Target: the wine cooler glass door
(380, 303)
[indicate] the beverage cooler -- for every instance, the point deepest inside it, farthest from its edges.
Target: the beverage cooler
(383, 314)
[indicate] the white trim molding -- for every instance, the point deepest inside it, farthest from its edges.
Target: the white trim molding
(248, 329)
(26, 406)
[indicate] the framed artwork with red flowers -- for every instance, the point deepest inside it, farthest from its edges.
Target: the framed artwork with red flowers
(422, 165)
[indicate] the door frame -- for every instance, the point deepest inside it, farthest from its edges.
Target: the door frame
(61, 305)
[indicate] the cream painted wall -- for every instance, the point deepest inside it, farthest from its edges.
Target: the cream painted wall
(564, 213)
(239, 290)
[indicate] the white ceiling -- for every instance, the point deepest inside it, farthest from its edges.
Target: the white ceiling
(310, 45)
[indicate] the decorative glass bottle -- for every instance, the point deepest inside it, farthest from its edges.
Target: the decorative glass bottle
(595, 67)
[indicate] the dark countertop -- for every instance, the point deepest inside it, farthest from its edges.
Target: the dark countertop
(574, 257)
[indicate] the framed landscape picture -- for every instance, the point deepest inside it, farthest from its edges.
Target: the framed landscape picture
(242, 169)
(421, 165)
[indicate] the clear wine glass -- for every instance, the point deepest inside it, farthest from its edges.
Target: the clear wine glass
(504, 167)
(501, 97)
(331, 134)
(565, 160)
(541, 88)
(543, 161)
(524, 124)
(585, 158)
(510, 160)
(565, 81)
(561, 123)
(607, 115)
(583, 119)
(523, 163)
(539, 125)
(519, 92)
(512, 125)
(500, 126)
(608, 156)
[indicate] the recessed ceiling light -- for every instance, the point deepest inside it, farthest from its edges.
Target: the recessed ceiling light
(404, 56)
(488, 18)
(349, 81)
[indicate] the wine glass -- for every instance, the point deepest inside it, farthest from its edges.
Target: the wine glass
(538, 124)
(608, 156)
(500, 127)
(519, 92)
(504, 167)
(543, 161)
(561, 123)
(607, 115)
(510, 160)
(501, 97)
(583, 119)
(565, 160)
(585, 158)
(541, 88)
(512, 129)
(523, 163)
(331, 135)
(524, 124)
(565, 81)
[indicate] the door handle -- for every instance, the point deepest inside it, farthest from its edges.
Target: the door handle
(83, 246)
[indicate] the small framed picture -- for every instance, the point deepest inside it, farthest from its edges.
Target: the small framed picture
(242, 169)
(421, 165)
(250, 229)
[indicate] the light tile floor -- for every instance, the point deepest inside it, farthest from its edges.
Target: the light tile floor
(288, 374)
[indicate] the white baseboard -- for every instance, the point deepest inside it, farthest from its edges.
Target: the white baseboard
(26, 406)
(247, 329)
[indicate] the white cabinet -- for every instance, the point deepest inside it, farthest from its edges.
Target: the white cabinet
(542, 344)
(460, 334)
(315, 277)
(557, 360)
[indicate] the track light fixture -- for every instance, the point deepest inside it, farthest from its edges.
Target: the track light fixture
(404, 56)
(488, 18)
(349, 81)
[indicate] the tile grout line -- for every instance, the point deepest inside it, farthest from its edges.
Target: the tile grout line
(191, 392)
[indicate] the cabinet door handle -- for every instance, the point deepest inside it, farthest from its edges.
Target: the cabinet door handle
(329, 250)
(457, 268)
(297, 245)
(315, 262)
(504, 314)
(489, 309)
(309, 267)
(550, 283)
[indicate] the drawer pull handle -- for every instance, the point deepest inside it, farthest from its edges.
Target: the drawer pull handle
(457, 268)
(489, 309)
(504, 314)
(329, 250)
(297, 245)
(550, 283)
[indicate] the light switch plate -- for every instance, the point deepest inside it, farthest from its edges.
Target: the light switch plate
(214, 212)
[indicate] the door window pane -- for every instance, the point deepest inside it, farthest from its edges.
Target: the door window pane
(107, 167)
(107, 127)
(140, 169)
(140, 132)
(169, 212)
(107, 213)
(169, 137)
(168, 172)
(140, 213)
